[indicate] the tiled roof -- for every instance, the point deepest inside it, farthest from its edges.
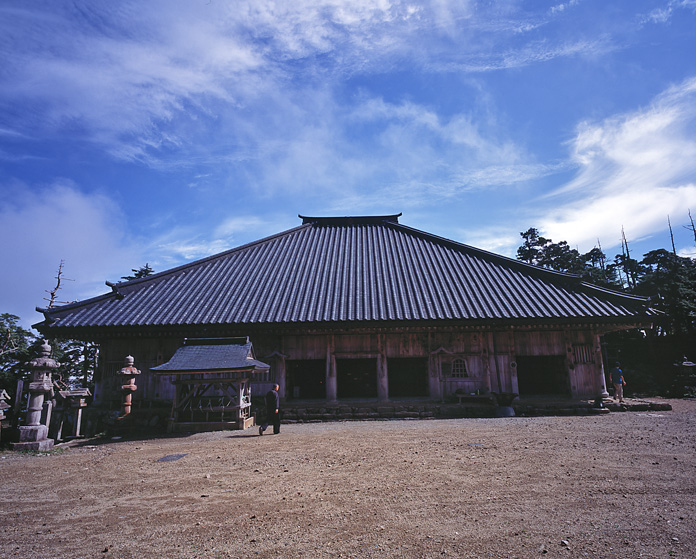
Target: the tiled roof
(212, 355)
(354, 269)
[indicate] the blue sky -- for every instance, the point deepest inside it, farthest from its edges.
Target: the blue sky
(166, 131)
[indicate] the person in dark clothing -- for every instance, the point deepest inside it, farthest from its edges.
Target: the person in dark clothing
(272, 411)
(617, 379)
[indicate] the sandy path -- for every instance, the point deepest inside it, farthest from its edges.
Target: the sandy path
(617, 485)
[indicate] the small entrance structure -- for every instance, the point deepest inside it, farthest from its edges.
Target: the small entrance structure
(68, 413)
(212, 378)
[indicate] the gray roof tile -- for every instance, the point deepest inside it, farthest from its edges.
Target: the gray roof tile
(221, 354)
(363, 269)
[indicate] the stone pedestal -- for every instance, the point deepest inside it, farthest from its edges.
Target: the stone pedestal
(504, 401)
(33, 437)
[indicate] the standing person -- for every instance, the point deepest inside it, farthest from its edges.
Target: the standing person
(272, 411)
(617, 379)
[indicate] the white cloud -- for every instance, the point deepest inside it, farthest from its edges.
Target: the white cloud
(408, 154)
(641, 213)
(664, 13)
(56, 223)
(117, 82)
(633, 171)
(493, 239)
(140, 79)
(182, 244)
(564, 6)
(237, 224)
(687, 252)
(180, 250)
(90, 233)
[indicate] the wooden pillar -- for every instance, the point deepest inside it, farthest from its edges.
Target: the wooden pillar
(174, 416)
(434, 381)
(331, 384)
(78, 421)
(382, 372)
(599, 363)
(280, 375)
(382, 379)
(239, 413)
(496, 373)
(573, 381)
(514, 382)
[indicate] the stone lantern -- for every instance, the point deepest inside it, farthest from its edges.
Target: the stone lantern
(685, 380)
(128, 374)
(4, 396)
(33, 435)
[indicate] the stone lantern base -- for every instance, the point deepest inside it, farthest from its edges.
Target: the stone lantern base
(33, 437)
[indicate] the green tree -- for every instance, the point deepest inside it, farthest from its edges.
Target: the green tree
(670, 282)
(629, 271)
(562, 258)
(541, 251)
(532, 249)
(673, 280)
(598, 270)
(138, 273)
(15, 352)
(78, 362)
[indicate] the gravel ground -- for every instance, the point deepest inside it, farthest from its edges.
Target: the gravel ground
(615, 485)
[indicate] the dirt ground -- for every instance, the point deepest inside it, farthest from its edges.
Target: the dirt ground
(616, 485)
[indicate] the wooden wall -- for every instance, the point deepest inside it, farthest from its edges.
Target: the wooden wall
(489, 357)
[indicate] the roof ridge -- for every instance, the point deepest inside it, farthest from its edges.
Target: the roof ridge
(234, 340)
(350, 220)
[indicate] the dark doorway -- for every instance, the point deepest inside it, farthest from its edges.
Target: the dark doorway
(408, 377)
(305, 379)
(543, 375)
(356, 378)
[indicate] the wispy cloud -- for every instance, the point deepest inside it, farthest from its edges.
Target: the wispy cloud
(266, 108)
(533, 52)
(144, 80)
(91, 234)
(184, 243)
(235, 225)
(558, 8)
(114, 74)
(633, 171)
(408, 154)
(59, 223)
(664, 13)
(180, 250)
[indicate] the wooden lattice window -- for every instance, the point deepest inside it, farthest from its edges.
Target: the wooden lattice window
(263, 376)
(583, 353)
(459, 368)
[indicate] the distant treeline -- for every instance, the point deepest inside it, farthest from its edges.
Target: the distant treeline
(668, 279)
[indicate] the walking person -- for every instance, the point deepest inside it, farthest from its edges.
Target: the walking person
(272, 411)
(617, 379)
